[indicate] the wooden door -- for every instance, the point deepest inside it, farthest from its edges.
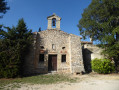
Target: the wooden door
(52, 63)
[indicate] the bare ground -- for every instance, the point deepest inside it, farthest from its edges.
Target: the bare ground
(84, 82)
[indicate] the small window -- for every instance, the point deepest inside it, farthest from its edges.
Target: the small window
(53, 46)
(63, 47)
(41, 58)
(63, 58)
(42, 47)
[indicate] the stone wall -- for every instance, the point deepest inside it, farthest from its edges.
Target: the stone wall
(59, 39)
(91, 52)
(76, 54)
(30, 64)
(95, 51)
(64, 44)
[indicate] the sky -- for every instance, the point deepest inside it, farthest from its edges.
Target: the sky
(35, 13)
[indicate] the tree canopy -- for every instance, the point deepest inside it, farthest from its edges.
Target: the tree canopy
(3, 7)
(100, 20)
(14, 46)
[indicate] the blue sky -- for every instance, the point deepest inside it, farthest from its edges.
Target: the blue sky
(35, 13)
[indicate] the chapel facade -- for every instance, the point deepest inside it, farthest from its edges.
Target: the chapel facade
(54, 50)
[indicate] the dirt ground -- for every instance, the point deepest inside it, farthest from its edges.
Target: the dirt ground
(85, 82)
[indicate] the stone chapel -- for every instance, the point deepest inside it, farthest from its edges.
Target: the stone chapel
(54, 50)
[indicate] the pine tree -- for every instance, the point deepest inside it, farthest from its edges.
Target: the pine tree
(14, 46)
(3, 7)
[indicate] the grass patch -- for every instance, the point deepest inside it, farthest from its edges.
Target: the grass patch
(40, 79)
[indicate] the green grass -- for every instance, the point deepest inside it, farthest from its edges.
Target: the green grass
(40, 79)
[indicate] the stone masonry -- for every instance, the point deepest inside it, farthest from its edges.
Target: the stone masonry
(90, 52)
(61, 52)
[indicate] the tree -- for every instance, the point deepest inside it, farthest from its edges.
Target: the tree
(101, 22)
(14, 46)
(24, 41)
(39, 29)
(3, 7)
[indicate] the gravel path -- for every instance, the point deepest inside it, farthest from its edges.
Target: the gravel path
(85, 82)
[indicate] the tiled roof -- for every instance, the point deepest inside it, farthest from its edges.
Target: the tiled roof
(86, 42)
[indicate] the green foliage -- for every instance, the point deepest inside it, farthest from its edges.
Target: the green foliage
(3, 7)
(102, 66)
(14, 45)
(101, 22)
(8, 68)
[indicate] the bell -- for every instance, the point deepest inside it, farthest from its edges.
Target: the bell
(53, 22)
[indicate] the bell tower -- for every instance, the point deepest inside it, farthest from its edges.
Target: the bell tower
(53, 22)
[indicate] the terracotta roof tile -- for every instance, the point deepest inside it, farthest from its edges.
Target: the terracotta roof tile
(86, 42)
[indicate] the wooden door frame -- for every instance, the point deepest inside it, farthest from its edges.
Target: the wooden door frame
(51, 60)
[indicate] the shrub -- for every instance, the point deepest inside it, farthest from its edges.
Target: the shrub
(102, 66)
